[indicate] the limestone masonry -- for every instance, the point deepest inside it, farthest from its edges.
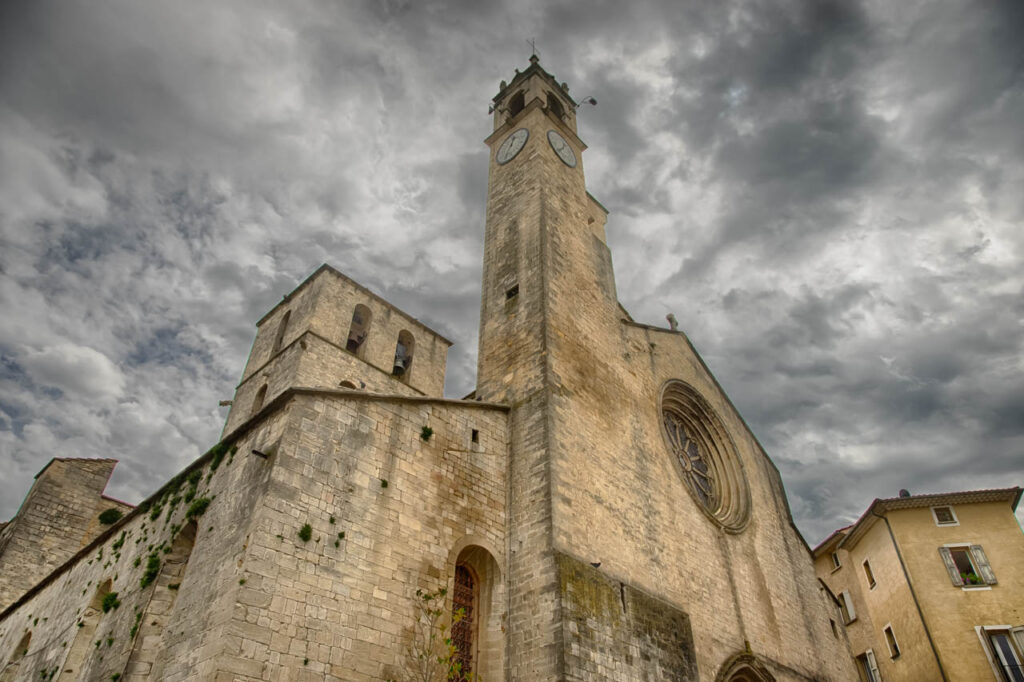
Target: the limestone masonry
(595, 510)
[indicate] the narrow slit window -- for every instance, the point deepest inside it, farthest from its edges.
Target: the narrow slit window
(257, 402)
(475, 436)
(282, 329)
(869, 574)
(512, 292)
(836, 563)
(890, 639)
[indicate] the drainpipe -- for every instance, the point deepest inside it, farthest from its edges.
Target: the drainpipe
(913, 594)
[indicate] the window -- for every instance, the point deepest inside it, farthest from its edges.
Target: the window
(516, 104)
(869, 575)
(358, 330)
(836, 563)
(967, 565)
(944, 516)
(846, 607)
(890, 639)
(403, 355)
(555, 107)
(464, 609)
(868, 667)
(1007, 648)
(257, 402)
(282, 329)
(474, 436)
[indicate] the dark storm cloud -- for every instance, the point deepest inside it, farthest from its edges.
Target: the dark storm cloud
(825, 193)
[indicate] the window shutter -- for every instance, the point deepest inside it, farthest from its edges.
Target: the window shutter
(981, 561)
(849, 606)
(873, 665)
(1018, 638)
(954, 572)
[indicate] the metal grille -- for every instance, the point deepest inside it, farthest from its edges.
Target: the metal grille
(462, 632)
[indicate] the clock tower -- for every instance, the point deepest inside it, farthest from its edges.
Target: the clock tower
(648, 535)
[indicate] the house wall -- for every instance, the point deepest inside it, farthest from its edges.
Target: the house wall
(953, 612)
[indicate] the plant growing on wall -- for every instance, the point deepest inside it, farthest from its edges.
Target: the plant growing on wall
(110, 601)
(110, 516)
(431, 656)
(306, 532)
(426, 432)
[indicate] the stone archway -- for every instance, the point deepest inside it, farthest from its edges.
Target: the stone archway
(744, 667)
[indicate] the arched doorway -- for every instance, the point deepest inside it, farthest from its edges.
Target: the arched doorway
(479, 591)
(744, 667)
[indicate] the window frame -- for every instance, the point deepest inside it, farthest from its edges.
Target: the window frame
(1014, 634)
(979, 563)
(867, 665)
(935, 516)
(891, 641)
(836, 562)
(869, 574)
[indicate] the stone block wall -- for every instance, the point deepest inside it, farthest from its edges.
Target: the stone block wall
(310, 361)
(388, 513)
(170, 628)
(311, 349)
(59, 515)
(615, 632)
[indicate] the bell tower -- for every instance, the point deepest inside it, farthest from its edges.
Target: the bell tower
(537, 202)
(546, 270)
(648, 535)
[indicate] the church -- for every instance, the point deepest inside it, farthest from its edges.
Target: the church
(596, 510)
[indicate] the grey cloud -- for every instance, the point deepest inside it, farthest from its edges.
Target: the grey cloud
(825, 193)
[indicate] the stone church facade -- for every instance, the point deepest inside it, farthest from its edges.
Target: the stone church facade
(597, 507)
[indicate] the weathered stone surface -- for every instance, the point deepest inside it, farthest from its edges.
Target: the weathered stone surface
(338, 505)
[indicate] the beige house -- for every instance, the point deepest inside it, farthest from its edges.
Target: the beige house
(930, 587)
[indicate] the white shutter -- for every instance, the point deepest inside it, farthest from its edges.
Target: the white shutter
(954, 572)
(981, 562)
(873, 666)
(1018, 639)
(850, 611)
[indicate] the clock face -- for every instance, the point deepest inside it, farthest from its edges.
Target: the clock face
(562, 148)
(512, 145)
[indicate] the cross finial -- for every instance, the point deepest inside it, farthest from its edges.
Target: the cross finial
(534, 57)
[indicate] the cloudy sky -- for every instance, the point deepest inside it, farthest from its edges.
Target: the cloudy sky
(828, 194)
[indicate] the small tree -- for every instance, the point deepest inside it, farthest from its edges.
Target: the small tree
(432, 656)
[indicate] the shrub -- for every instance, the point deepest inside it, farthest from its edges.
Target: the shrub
(152, 570)
(198, 507)
(306, 532)
(109, 517)
(110, 601)
(426, 432)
